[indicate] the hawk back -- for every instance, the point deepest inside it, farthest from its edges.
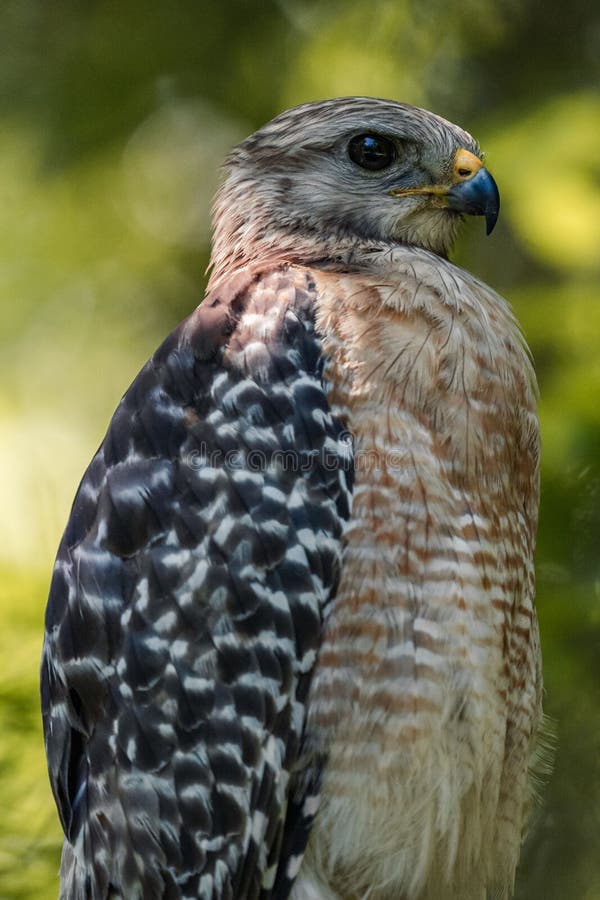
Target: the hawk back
(186, 605)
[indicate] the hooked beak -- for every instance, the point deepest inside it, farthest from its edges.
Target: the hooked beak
(472, 191)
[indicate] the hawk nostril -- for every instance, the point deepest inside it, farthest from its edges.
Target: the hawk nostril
(464, 173)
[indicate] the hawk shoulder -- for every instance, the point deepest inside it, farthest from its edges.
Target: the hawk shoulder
(186, 605)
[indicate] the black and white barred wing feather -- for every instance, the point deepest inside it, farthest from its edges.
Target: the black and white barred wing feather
(185, 609)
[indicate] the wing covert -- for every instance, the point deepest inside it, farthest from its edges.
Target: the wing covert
(186, 603)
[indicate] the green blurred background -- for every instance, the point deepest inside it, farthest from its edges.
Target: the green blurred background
(114, 117)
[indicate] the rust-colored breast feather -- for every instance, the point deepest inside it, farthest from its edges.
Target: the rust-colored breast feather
(427, 689)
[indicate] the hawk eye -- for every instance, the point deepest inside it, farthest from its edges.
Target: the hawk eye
(371, 151)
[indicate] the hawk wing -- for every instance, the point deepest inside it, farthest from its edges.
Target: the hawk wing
(186, 605)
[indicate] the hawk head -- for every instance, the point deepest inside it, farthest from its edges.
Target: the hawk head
(349, 172)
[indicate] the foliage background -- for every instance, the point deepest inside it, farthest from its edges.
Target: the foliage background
(114, 117)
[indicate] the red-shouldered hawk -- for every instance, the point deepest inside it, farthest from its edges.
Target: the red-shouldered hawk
(291, 644)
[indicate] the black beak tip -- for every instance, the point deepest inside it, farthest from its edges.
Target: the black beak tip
(491, 217)
(492, 206)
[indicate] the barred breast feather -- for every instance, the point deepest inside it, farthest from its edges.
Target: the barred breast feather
(427, 691)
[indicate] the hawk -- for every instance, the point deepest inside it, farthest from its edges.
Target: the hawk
(291, 647)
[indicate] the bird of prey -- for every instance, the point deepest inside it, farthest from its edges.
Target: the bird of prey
(291, 647)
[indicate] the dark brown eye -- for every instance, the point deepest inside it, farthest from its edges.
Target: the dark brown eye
(371, 151)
